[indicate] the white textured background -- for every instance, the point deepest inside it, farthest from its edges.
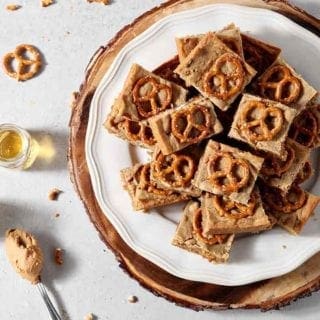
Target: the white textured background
(68, 33)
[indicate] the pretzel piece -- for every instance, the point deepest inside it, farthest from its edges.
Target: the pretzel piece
(197, 229)
(234, 210)
(151, 97)
(192, 125)
(136, 131)
(28, 60)
(305, 173)
(176, 170)
(227, 173)
(142, 176)
(279, 84)
(304, 128)
(226, 77)
(274, 166)
(285, 203)
(260, 122)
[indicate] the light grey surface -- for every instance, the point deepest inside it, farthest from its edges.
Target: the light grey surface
(90, 280)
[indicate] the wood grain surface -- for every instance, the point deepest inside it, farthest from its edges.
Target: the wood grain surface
(268, 294)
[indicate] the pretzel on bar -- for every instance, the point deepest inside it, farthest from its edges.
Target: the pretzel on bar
(234, 210)
(231, 177)
(278, 83)
(197, 229)
(193, 125)
(175, 169)
(151, 97)
(221, 83)
(257, 118)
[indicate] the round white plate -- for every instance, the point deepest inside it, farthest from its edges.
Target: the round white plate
(252, 258)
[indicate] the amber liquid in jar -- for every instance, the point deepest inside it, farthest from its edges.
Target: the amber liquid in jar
(17, 148)
(11, 144)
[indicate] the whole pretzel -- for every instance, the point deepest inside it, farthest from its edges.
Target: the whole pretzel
(192, 125)
(151, 103)
(142, 176)
(304, 128)
(304, 174)
(136, 131)
(197, 229)
(278, 83)
(27, 67)
(285, 203)
(224, 84)
(175, 169)
(274, 166)
(227, 179)
(261, 121)
(233, 210)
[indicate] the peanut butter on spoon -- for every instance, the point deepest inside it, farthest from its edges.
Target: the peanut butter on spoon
(24, 254)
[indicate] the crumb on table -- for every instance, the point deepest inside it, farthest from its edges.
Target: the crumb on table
(57, 215)
(284, 246)
(89, 317)
(13, 7)
(132, 299)
(54, 194)
(58, 258)
(105, 2)
(46, 3)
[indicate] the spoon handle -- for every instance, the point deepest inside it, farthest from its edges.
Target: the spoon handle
(52, 310)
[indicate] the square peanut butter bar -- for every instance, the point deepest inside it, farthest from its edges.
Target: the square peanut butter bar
(189, 124)
(283, 173)
(228, 171)
(189, 236)
(144, 193)
(280, 82)
(293, 209)
(259, 54)
(137, 133)
(144, 95)
(216, 71)
(263, 124)
(222, 215)
(305, 128)
(230, 36)
(176, 171)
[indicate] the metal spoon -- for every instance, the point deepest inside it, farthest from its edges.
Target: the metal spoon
(52, 310)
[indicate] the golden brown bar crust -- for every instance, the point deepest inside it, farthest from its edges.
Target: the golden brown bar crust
(144, 194)
(244, 165)
(292, 210)
(176, 171)
(230, 36)
(189, 124)
(252, 124)
(210, 62)
(222, 215)
(280, 82)
(283, 173)
(187, 239)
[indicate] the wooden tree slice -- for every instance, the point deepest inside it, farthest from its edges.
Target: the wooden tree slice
(267, 294)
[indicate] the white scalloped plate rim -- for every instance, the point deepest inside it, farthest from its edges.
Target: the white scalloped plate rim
(196, 269)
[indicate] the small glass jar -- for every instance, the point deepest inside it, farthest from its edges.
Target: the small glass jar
(18, 149)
